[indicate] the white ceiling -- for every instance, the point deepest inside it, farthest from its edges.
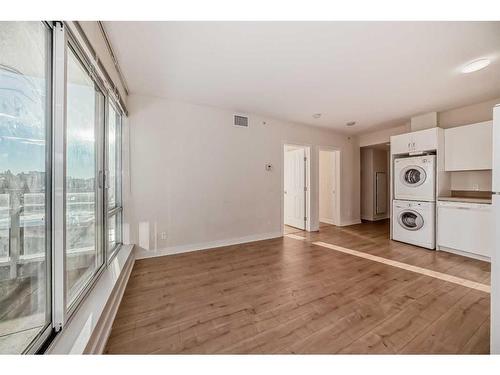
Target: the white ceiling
(375, 73)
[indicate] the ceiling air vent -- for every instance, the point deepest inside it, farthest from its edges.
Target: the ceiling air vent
(240, 121)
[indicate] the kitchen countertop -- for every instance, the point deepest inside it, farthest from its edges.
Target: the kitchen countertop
(465, 200)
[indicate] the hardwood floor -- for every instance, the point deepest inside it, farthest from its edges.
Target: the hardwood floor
(288, 230)
(287, 295)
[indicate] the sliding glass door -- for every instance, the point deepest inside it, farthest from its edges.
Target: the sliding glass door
(84, 129)
(25, 118)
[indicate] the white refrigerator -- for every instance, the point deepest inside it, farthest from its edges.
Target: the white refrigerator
(495, 257)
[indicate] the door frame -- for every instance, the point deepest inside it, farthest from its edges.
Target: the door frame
(307, 148)
(338, 164)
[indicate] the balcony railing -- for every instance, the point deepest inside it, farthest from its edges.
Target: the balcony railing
(23, 232)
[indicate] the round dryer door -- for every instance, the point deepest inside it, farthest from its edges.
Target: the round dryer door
(411, 220)
(412, 176)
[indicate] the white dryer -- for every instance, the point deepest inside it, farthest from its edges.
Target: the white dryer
(414, 178)
(414, 223)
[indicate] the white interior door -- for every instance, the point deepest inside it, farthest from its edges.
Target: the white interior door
(295, 176)
(327, 184)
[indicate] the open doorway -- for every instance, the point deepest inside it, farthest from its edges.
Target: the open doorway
(375, 182)
(296, 192)
(329, 182)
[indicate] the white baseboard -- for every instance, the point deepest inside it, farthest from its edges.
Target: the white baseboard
(100, 335)
(464, 253)
(369, 218)
(142, 254)
(351, 222)
(327, 221)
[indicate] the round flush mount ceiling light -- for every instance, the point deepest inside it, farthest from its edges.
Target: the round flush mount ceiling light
(475, 65)
(350, 123)
(317, 115)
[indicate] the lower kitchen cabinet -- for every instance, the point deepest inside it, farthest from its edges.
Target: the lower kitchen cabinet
(465, 227)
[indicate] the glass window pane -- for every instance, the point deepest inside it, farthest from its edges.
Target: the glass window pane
(112, 150)
(82, 250)
(4, 213)
(24, 113)
(114, 231)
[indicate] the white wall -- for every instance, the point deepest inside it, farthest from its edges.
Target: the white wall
(469, 114)
(471, 180)
(382, 136)
(203, 181)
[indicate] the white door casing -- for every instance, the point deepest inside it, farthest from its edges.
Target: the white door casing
(295, 183)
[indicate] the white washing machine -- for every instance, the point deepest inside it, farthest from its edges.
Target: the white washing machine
(414, 178)
(414, 223)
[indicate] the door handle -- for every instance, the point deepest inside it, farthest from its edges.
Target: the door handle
(106, 179)
(103, 179)
(100, 179)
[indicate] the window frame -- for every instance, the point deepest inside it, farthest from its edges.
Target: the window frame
(118, 207)
(71, 306)
(46, 331)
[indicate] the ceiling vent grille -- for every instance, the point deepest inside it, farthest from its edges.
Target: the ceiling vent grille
(240, 121)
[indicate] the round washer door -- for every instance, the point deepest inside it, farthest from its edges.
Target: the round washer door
(410, 220)
(412, 176)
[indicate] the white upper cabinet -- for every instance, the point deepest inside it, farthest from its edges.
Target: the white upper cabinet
(423, 140)
(469, 147)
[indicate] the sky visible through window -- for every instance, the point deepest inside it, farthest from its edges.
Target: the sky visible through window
(22, 126)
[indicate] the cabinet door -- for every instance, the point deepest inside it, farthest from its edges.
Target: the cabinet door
(401, 144)
(424, 140)
(469, 147)
(466, 227)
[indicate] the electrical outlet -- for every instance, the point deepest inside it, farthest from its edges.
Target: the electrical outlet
(475, 187)
(163, 235)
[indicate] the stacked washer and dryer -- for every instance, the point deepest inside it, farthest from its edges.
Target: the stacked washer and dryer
(414, 204)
